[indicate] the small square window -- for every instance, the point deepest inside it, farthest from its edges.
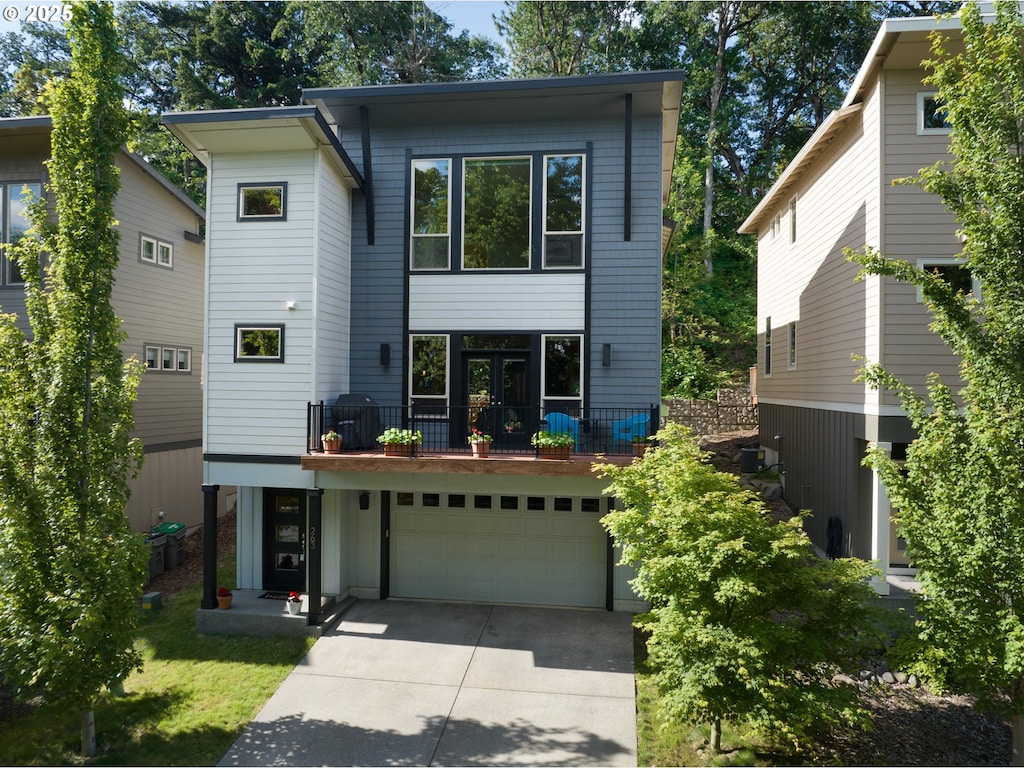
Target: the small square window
(931, 115)
(510, 502)
(259, 343)
(404, 499)
(431, 500)
(262, 201)
(535, 503)
(590, 505)
(481, 502)
(457, 500)
(563, 504)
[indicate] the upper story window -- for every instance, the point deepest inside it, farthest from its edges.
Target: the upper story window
(259, 343)
(153, 251)
(168, 359)
(496, 213)
(516, 212)
(563, 211)
(792, 220)
(431, 212)
(931, 116)
(14, 224)
(953, 272)
(257, 202)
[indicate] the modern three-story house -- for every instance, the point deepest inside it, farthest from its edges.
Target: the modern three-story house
(441, 258)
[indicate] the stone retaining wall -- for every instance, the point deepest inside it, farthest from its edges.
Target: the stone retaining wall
(731, 411)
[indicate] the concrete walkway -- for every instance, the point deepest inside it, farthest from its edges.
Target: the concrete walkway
(419, 683)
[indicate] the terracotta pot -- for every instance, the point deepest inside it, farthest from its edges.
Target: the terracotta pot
(481, 450)
(639, 449)
(224, 602)
(332, 446)
(562, 452)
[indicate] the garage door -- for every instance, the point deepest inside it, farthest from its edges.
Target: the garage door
(507, 549)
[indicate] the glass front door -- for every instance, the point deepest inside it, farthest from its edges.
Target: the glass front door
(497, 401)
(284, 540)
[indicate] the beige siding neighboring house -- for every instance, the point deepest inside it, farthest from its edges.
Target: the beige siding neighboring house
(158, 294)
(815, 318)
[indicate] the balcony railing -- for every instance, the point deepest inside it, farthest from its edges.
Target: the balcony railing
(444, 428)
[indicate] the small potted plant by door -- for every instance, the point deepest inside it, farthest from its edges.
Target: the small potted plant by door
(331, 441)
(399, 442)
(553, 445)
(480, 442)
(224, 598)
(294, 602)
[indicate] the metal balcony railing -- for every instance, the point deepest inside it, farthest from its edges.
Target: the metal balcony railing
(444, 428)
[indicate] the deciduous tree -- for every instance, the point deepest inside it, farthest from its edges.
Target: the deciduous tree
(70, 567)
(747, 623)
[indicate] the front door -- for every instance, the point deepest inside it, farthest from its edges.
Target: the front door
(496, 396)
(284, 540)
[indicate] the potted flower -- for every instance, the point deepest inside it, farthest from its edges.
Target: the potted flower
(641, 444)
(553, 445)
(224, 598)
(331, 441)
(294, 602)
(480, 442)
(399, 442)
(513, 426)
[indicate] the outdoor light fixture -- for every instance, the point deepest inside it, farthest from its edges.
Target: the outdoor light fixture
(385, 354)
(364, 500)
(606, 355)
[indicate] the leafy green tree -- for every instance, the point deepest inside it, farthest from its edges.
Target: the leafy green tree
(960, 497)
(377, 43)
(70, 567)
(746, 622)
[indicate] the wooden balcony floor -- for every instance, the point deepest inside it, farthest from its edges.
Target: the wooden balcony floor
(579, 465)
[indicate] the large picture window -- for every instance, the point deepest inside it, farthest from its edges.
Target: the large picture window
(428, 372)
(431, 188)
(496, 213)
(14, 224)
(563, 211)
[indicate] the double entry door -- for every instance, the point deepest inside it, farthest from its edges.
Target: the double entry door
(496, 396)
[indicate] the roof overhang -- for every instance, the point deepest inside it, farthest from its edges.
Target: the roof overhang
(260, 130)
(488, 101)
(815, 145)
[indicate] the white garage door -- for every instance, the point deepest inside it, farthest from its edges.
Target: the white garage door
(506, 549)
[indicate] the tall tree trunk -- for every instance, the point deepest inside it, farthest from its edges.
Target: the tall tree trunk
(88, 732)
(726, 23)
(716, 737)
(1017, 725)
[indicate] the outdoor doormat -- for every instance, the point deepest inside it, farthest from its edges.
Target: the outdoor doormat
(275, 595)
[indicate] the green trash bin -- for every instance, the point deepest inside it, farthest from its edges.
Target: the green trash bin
(174, 550)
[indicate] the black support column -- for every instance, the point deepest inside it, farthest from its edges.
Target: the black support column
(209, 546)
(314, 555)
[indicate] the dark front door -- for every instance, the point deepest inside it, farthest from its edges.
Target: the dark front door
(284, 540)
(497, 388)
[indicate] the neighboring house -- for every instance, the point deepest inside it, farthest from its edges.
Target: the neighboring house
(443, 257)
(158, 294)
(813, 315)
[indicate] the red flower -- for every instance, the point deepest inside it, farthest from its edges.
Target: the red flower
(223, 592)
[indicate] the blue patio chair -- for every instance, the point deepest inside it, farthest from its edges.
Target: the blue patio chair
(627, 429)
(561, 422)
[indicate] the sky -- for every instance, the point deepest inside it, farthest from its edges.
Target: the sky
(474, 15)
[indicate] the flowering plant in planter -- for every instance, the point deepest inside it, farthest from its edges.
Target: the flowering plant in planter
(223, 592)
(476, 436)
(512, 425)
(552, 439)
(294, 597)
(330, 436)
(396, 436)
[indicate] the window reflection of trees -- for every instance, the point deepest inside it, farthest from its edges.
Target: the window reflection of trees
(497, 214)
(562, 366)
(429, 365)
(430, 215)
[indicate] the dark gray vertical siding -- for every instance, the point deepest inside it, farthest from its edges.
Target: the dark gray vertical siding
(626, 276)
(821, 456)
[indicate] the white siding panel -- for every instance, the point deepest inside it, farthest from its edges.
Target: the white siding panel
(255, 268)
(482, 302)
(334, 280)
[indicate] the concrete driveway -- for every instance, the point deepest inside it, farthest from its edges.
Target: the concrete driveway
(419, 683)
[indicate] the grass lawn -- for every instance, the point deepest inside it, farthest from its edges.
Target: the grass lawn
(187, 705)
